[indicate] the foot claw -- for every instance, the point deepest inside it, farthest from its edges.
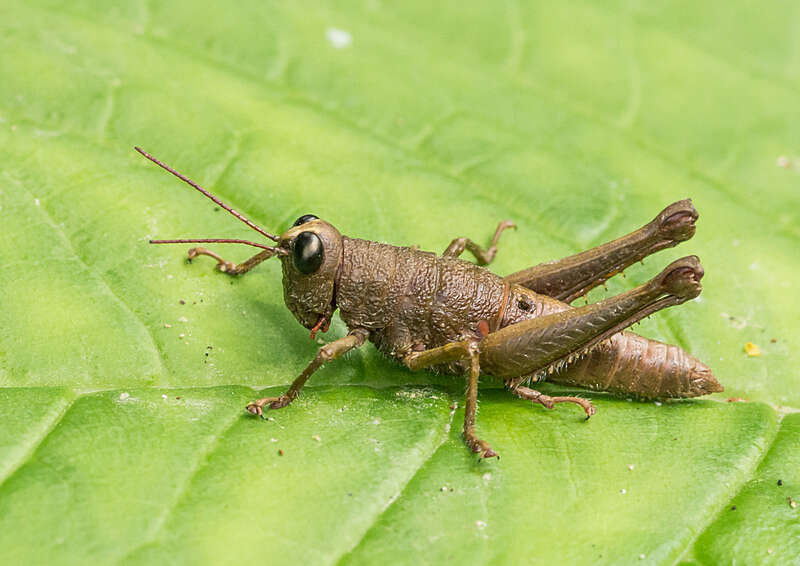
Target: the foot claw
(254, 409)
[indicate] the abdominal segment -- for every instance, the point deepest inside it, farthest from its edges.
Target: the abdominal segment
(629, 364)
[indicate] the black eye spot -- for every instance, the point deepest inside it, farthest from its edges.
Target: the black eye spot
(307, 252)
(305, 218)
(524, 305)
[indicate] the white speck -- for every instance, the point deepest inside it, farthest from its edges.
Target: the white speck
(169, 276)
(376, 421)
(167, 325)
(698, 299)
(36, 201)
(735, 243)
(657, 403)
(641, 557)
(783, 161)
(316, 437)
(124, 396)
(244, 313)
(338, 37)
(271, 419)
(273, 440)
(444, 488)
(623, 491)
(183, 319)
(487, 477)
(181, 335)
(754, 266)
(480, 524)
(447, 427)
(630, 467)
(164, 396)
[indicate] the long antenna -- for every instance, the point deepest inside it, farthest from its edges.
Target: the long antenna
(279, 251)
(209, 195)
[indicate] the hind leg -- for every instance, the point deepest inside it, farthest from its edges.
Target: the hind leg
(541, 345)
(571, 277)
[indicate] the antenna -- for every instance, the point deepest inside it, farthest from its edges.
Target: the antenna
(209, 195)
(279, 251)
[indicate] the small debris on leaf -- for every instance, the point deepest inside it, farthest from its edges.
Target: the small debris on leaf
(780, 483)
(752, 350)
(167, 325)
(124, 396)
(316, 437)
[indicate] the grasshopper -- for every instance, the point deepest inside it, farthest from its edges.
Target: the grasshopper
(442, 313)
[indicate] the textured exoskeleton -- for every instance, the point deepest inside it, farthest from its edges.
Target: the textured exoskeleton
(443, 313)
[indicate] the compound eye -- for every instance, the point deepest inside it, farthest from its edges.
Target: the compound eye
(305, 218)
(307, 252)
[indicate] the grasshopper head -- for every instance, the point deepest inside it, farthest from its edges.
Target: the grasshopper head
(309, 270)
(311, 252)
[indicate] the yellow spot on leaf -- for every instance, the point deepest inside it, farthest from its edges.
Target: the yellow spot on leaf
(752, 350)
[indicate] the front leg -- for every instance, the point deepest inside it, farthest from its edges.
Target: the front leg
(573, 276)
(455, 351)
(326, 353)
(228, 266)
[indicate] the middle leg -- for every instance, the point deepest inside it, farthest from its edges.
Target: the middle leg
(483, 257)
(455, 351)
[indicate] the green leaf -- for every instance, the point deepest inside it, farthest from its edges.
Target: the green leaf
(124, 369)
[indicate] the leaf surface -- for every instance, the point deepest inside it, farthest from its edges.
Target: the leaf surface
(124, 369)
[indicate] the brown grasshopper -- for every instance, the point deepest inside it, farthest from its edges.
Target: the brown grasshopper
(446, 314)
